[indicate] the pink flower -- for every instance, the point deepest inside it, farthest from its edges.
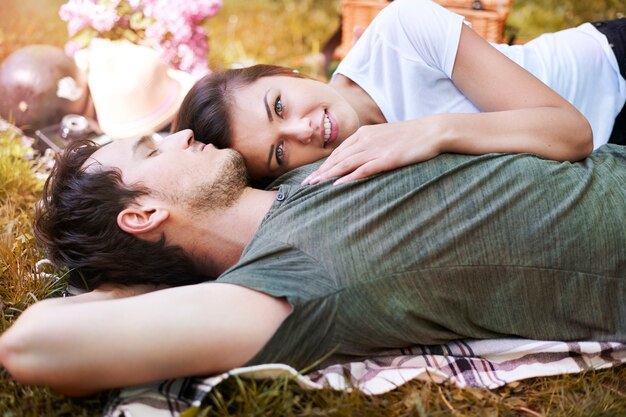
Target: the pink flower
(172, 27)
(208, 8)
(135, 4)
(103, 18)
(156, 32)
(77, 15)
(71, 48)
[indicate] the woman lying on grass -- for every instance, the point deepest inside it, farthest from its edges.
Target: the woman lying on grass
(419, 83)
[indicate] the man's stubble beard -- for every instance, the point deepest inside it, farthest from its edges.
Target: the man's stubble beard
(224, 190)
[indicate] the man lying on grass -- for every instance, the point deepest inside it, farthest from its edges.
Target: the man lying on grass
(460, 246)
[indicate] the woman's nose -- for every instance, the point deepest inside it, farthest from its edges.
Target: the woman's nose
(298, 129)
(178, 140)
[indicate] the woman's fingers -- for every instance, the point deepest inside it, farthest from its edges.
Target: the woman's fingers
(338, 168)
(366, 170)
(342, 153)
(374, 149)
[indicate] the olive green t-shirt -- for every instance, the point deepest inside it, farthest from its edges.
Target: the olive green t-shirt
(459, 246)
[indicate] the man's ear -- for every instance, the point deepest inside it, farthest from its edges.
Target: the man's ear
(138, 220)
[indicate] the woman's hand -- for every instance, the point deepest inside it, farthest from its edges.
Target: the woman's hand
(377, 148)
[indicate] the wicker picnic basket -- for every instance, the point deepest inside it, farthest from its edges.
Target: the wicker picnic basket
(486, 16)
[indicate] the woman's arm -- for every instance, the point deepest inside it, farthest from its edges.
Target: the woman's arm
(518, 114)
(79, 346)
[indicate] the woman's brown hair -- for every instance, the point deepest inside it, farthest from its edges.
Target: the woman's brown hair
(206, 108)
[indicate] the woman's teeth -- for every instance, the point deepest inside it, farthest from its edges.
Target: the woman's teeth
(326, 129)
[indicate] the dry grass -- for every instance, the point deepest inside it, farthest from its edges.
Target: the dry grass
(21, 284)
(582, 395)
(287, 32)
(19, 191)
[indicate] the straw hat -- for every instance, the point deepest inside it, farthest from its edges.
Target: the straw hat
(134, 93)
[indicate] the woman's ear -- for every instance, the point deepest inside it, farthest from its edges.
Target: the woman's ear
(138, 220)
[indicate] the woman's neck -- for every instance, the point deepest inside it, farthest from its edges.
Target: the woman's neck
(366, 108)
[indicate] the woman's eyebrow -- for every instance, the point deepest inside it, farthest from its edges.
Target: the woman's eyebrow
(269, 157)
(267, 107)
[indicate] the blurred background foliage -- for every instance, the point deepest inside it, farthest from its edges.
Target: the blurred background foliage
(531, 18)
(287, 32)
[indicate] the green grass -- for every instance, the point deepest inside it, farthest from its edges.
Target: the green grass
(291, 33)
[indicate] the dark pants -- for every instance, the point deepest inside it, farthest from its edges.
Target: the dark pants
(615, 31)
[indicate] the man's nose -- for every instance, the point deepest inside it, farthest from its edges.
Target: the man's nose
(298, 129)
(178, 140)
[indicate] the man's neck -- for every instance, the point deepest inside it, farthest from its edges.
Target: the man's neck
(216, 239)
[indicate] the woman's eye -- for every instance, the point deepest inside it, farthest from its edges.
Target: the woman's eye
(154, 152)
(278, 106)
(280, 154)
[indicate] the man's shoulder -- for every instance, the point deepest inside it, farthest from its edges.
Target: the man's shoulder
(280, 269)
(295, 176)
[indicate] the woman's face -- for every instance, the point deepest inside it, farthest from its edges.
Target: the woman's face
(280, 123)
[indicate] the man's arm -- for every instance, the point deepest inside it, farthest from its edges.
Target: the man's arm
(78, 346)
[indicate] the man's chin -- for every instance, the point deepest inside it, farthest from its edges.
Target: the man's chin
(223, 191)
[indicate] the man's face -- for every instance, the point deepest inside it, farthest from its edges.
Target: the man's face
(177, 169)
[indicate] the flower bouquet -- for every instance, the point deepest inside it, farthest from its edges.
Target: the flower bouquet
(174, 28)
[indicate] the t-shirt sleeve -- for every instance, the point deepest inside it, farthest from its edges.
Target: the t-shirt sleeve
(281, 270)
(432, 30)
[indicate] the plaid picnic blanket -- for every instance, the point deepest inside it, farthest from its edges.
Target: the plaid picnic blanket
(478, 363)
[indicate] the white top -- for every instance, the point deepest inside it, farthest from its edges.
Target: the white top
(405, 57)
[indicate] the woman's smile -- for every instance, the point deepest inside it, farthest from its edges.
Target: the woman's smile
(331, 130)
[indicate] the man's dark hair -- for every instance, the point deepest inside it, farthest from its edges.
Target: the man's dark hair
(76, 221)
